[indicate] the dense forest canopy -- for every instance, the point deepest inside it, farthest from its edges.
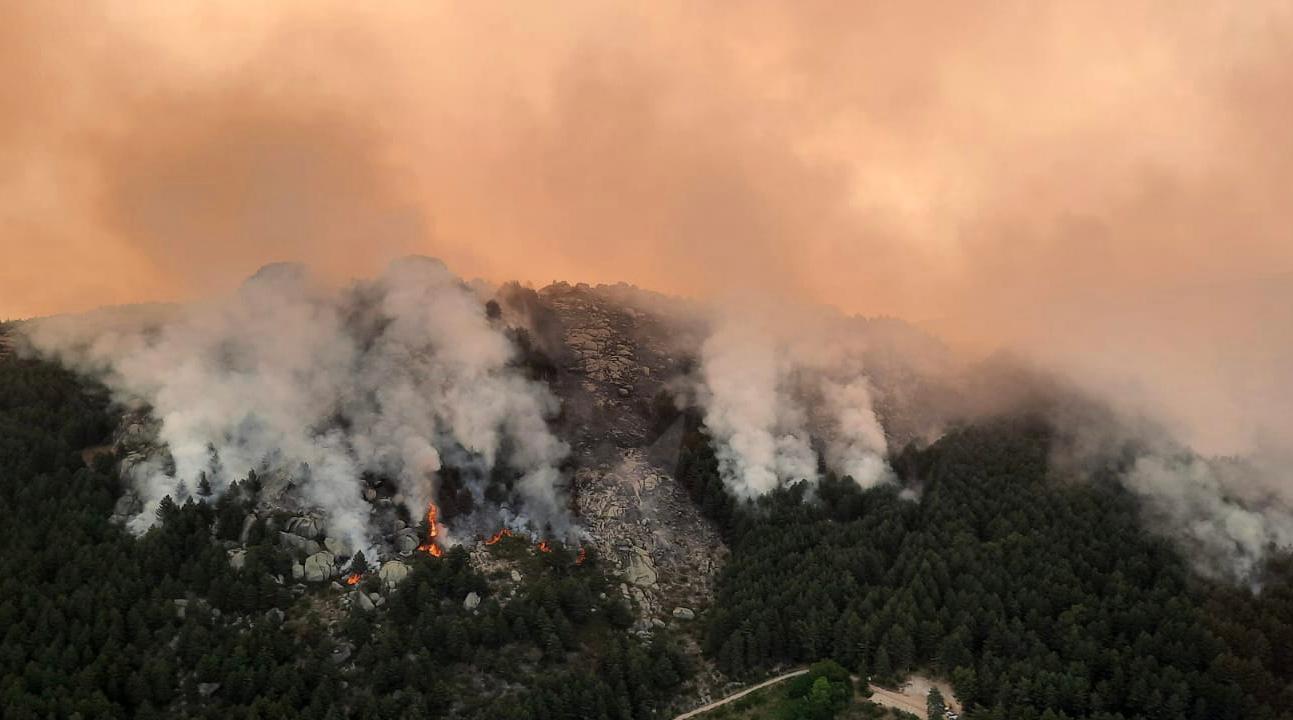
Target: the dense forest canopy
(1038, 599)
(100, 624)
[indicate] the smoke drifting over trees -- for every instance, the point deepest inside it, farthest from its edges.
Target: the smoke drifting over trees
(392, 376)
(1101, 188)
(772, 383)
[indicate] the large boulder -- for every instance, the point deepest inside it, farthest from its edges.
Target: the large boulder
(336, 546)
(361, 600)
(320, 566)
(237, 558)
(127, 506)
(641, 570)
(471, 602)
(393, 573)
(247, 524)
(406, 541)
(306, 526)
(206, 689)
(298, 544)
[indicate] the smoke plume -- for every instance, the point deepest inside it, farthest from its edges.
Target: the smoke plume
(1100, 187)
(392, 376)
(773, 382)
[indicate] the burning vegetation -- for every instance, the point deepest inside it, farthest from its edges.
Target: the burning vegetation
(432, 544)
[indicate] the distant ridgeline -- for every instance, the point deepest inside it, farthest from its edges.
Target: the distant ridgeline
(1038, 599)
(96, 623)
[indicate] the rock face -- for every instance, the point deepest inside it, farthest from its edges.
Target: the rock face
(621, 349)
(208, 689)
(320, 566)
(127, 506)
(336, 546)
(393, 573)
(406, 541)
(362, 601)
(297, 544)
(471, 602)
(247, 524)
(308, 527)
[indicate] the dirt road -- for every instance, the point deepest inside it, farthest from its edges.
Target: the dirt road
(738, 696)
(896, 700)
(907, 701)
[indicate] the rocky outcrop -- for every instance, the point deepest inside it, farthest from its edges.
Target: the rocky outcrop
(208, 689)
(392, 573)
(406, 541)
(641, 570)
(320, 566)
(336, 546)
(471, 602)
(247, 524)
(361, 600)
(622, 352)
(308, 527)
(126, 507)
(303, 547)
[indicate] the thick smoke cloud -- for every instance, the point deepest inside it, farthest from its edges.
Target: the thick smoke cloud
(395, 376)
(1100, 187)
(1222, 508)
(775, 381)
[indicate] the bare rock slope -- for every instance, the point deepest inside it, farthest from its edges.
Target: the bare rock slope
(618, 358)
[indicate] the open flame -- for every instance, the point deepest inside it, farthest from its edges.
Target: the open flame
(493, 539)
(583, 555)
(354, 578)
(544, 546)
(432, 544)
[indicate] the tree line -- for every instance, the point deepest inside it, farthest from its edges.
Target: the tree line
(1037, 598)
(98, 623)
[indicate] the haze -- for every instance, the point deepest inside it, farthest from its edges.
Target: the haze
(1103, 188)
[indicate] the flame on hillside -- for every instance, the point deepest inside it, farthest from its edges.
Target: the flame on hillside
(544, 546)
(354, 578)
(432, 544)
(496, 537)
(583, 555)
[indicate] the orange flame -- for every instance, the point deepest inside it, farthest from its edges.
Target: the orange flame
(353, 578)
(432, 545)
(544, 546)
(493, 539)
(583, 555)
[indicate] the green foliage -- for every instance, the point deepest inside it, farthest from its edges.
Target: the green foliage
(1030, 594)
(934, 705)
(96, 623)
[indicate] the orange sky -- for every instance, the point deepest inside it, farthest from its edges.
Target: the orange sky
(922, 159)
(1061, 174)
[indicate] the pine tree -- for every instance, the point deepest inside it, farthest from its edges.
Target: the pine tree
(934, 706)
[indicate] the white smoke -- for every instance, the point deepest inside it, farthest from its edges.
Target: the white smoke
(388, 376)
(1220, 508)
(772, 387)
(857, 447)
